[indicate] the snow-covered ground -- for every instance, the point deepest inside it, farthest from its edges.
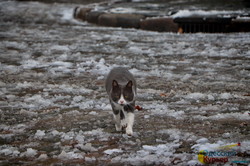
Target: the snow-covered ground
(193, 88)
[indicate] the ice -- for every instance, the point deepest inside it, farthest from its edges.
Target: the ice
(202, 141)
(67, 136)
(210, 97)
(42, 157)
(159, 154)
(186, 77)
(9, 151)
(226, 135)
(240, 116)
(226, 96)
(122, 10)
(90, 159)
(86, 148)
(69, 155)
(195, 96)
(30, 152)
(60, 48)
(55, 133)
(77, 99)
(188, 13)
(37, 101)
(95, 132)
(93, 113)
(80, 138)
(25, 84)
(111, 151)
(53, 103)
(28, 113)
(40, 134)
(245, 146)
(29, 64)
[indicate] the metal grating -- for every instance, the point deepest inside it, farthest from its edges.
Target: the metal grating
(205, 25)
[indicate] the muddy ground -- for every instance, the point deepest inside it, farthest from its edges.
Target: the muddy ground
(54, 109)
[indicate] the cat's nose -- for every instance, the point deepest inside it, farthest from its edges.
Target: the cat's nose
(121, 101)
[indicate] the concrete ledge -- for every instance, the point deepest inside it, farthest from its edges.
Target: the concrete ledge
(120, 20)
(165, 24)
(239, 25)
(159, 24)
(107, 20)
(93, 16)
(80, 13)
(125, 20)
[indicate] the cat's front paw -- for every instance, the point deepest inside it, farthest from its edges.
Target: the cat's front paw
(123, 124)
(118, 127)
(129, 131)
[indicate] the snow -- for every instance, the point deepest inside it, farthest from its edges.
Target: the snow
(42, 157)
(202, 140)
(10, 151)
(240, 116)
(189, 13)
(149, 155)
(226, 96)
(55, 133)
(87, 147)
(195, 96)
(54, 107)
(69, 155)
(111, 151)
(29, 153)
(40, 133)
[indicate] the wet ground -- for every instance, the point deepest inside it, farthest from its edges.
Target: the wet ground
(193, 88)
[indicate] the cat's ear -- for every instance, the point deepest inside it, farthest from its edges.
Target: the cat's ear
(129, 84)
(114, 83)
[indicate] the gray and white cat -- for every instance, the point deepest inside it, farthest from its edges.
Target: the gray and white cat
(121, 88)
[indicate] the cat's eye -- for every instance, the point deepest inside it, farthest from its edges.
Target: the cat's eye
(126, 97)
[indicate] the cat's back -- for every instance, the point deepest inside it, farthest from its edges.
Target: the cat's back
(121, 75)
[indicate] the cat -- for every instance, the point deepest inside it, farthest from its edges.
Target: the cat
(121, 88)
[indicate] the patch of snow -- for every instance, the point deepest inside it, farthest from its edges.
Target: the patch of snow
(202, 141)
(94, 132)
(195, 96)
(149, 155)
(188, 13)
(111, 151)
(90, 159)
(93, 113)
(29, 153)
(37, 100)
(30, 63)
(87, 147)
(226, 96)
(55, 132)
(241, 116)
(69, 155)
(9, 151)
(186, 77)
(226, 135)
(39, 134)
(29, 113)
(42, 157)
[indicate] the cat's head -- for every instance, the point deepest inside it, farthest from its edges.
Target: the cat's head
(122, 94)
